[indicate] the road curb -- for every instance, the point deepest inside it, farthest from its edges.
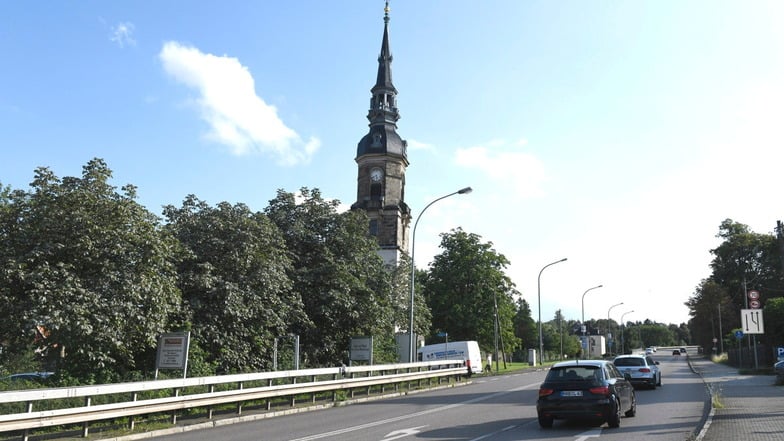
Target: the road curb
(709, 411)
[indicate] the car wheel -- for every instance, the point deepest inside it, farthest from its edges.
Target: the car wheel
(652, 384)
(545, 422)
(659, 383)
(633, 408)
(614, 421)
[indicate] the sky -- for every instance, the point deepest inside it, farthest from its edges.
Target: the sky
(616, 134)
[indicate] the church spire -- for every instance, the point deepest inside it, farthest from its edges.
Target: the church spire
(384, 77)
(383, 113)
(382, 161)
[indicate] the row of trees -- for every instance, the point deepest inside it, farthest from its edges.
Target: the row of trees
(744, 261)
(89, 278)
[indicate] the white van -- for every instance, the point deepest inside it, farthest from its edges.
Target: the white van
(467, 351)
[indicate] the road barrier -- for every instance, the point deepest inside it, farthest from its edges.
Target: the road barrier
(63, 410)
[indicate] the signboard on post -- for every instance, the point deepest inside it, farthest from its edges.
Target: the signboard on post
(779, 353)
(362, 349)
(751, 321)
(173, 352)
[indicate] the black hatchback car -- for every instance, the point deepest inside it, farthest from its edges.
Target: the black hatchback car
(585, 389)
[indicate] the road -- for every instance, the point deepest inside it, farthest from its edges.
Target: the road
(494, 408)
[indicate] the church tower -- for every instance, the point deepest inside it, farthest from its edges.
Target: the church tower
(382, 161)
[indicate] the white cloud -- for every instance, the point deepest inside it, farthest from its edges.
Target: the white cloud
(418, 145)
(522, 172)
(238, 118)
(122, 34)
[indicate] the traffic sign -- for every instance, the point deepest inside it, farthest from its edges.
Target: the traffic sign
(780, 353)
(753, 295)
(754, 304)
(739, 334)
(751, 321)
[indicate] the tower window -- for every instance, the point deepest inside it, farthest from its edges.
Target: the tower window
(373, 227)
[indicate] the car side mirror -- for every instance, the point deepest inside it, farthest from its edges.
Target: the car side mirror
(656, 362)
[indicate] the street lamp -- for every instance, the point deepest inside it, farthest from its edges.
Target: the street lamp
(608, 323)
(621, 326)
(411, 350)
(539, 300)
(583, 317)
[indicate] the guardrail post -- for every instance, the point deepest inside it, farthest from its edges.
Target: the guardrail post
(210, 409)
(134, 397)
(293, 397)
(352, 389)
(86, 425)
(174, 412)
(26, 433)
(239, 404)
(269, 400)
(313, 380)
(334, 391)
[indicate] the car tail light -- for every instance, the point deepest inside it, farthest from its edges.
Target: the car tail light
(602, 390)
(543, 391)
(646, 370)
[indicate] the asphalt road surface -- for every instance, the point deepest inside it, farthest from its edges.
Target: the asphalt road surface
(497, 408)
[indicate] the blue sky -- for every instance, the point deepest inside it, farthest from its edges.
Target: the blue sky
(618, 134)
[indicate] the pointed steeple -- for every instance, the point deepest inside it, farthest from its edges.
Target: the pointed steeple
(383, 113)
(384, 77)
(381, 163)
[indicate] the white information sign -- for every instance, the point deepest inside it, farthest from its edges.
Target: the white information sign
(173, 350)
(751, 321)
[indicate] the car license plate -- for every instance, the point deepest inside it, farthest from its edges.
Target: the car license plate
(571, 393)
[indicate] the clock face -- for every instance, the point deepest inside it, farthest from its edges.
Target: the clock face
(376, 174)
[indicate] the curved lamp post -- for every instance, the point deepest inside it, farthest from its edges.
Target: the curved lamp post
(608, 322)
(621, 326)
(582, 323)
(411, 349)
(539, 300)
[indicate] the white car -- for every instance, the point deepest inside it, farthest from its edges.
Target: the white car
(641, 368)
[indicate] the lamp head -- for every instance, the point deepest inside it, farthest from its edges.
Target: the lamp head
(465, 190)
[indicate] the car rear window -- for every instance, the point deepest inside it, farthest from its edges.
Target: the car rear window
(629, 362)
(574, 373)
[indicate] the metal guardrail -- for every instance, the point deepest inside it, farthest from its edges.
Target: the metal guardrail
(343, 378)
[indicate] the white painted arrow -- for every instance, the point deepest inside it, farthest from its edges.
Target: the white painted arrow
(402, 433)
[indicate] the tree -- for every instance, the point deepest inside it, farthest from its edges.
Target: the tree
(466, 288)
(525, 328)
(86, 270)
(774, 320)
(237, 297)
(743, 261)
(345, 288)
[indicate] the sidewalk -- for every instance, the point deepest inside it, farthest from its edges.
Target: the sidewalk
(751, 406)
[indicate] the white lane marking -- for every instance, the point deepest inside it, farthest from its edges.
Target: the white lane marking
(595, 433)
(411, 415)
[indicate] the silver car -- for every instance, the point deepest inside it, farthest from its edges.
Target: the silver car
(641, 368)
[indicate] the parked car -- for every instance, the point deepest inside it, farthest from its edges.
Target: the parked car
(649, 351)
(642, 369)
(683, 350)
(585, 389)
(676, 352)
